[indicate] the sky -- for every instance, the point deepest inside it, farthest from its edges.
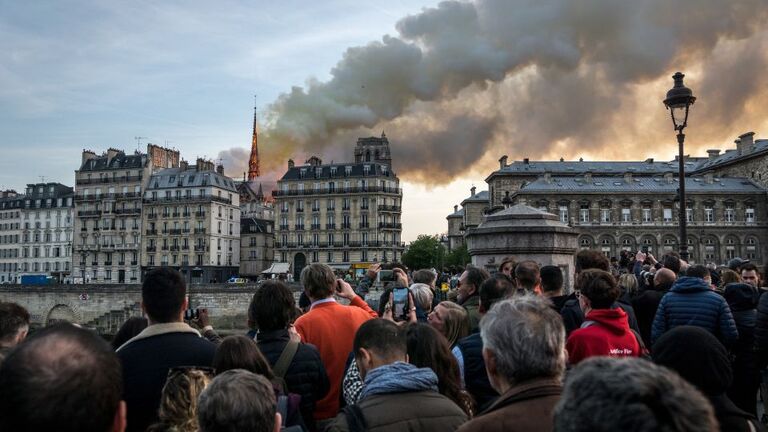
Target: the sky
(455, 85)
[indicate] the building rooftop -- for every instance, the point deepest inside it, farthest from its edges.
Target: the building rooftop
(481, 196)
(654, 184)
(648, 167)
(190, 177)
(119, 161)
(759, 147)
(338, 171)
(458, 213)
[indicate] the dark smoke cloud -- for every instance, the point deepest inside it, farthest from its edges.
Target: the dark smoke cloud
(464, 82)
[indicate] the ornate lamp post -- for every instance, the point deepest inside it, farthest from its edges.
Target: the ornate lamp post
(678, 102)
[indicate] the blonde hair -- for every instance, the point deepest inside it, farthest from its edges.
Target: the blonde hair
(456, 322)
(628, 283)
(178, 403)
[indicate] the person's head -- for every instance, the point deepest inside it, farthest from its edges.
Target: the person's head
(699, 271)
(318, 281)
(62, 378)
(470, 281)
(736, 264)
(628, 283)
(664, 278)
(428, 348)
(130, 328)
(14, 324)
(273, 306)
(238, 401)
(591, 259)
(507, 266)
(551, 280)
(451, 320)
(630, 395)
(494, 289)
(178, 402)
(750, 275)
(697, 356)
(422, 296)
(424, 276)
(523, 339)
(527, 276)
(379, 342)
(671, 261)
(728, 276)
(240, 352)
(597, 289)
(164, 295)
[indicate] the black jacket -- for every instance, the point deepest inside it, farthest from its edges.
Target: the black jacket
(475, 376)
(645, 305)
(306, 375)
(761, 330)
(146, 360)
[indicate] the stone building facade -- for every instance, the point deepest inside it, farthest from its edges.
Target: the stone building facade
(257, 246)
(191, 216)
(108, 206)
(342, 213)
(628, 205)
(11, 204)
(47, 230)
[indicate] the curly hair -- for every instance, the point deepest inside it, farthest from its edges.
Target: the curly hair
(178, 404)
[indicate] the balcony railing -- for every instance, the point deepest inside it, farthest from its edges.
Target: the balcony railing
(175, 231)
(392, 208)
(200, 214)
(199, 230)
(123, 179)
(127, 211)
(200, 248)
(390, 225)
(89, 213)
(188, 199)
(151, 232)
(151, 248)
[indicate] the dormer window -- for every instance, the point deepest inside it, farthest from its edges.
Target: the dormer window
(347, 170)
(333, 171)
(366, 169)
(302, 173)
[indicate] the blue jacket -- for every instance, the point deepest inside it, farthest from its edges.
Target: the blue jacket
(690, 301)
(475, 375)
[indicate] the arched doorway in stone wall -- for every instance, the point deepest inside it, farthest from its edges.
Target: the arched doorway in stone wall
(60, 313)
(299, 262)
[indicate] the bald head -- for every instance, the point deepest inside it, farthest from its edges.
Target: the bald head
(664, 277)
(65, 379)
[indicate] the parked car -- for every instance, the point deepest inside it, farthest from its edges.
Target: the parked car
(237, 280)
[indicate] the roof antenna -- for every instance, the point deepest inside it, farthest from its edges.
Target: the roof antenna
(138, 142)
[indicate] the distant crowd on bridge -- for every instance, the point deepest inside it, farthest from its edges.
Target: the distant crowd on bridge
(641, 344)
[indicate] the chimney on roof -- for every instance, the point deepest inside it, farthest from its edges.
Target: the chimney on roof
(713, 154)
(472, 190)
(649, 161)
(526, 161)
(220, 169)
(88, 155)
(745, 143)
(184, 165)
(503, 162)
(709, 178)
(111, 153)
(290, 163)
(628, 177)
(668, 177)
(455, 208)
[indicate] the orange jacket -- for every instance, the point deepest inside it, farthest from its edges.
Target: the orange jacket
(331, 327)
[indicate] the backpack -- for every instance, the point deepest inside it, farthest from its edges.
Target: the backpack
(282, 365)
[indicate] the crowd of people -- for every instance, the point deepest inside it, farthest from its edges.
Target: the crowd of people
(639, 344)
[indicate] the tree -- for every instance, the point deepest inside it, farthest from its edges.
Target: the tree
(424, 252)
(458, 257)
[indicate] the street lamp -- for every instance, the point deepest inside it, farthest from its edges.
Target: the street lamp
(678, 102)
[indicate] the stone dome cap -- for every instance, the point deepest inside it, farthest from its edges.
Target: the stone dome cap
(521, 215)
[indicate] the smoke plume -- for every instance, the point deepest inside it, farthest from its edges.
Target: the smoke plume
(464, 82)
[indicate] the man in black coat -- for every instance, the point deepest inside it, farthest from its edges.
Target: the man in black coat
(167, 343)
(274, 308)
(647, 302)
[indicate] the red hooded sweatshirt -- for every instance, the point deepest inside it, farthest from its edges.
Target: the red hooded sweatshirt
(605, 332)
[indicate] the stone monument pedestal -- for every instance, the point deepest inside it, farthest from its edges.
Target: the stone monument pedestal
(524, 233)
